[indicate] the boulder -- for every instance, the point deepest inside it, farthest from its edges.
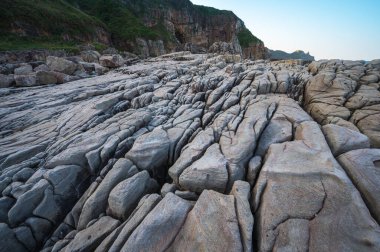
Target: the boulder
(42, 67)
(100, 70)
(6, 80)
(23, 70)
(90, 56)
(25, 80)
(111, 61)
(45, 77)
(61, 65)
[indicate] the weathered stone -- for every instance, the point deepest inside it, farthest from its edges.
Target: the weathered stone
(150, 151)
(125, 196)
(90, 56)
(89, 238)
(23, 70)
(167, 188)
(97, 202)
(254, 166)
(241, 191)
(111, 61)
(341, 139)
(40, 228)
(45, 77)
(6, 80)
(9, 241)
(61, 65)
(146, 204)
(159, 228)
(27, 202)
(302, 180)
(6, 204)
(216, 212)
(24, 235)
(209, 172)
(25, 80)
(363, 167)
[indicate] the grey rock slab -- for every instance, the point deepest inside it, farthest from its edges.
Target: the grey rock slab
(187, 195)
(23, 70)
(167, 188)
(97, 202)
(23, 175)
(9, 241)
(254, 166)
(277, 131)
(241, 191)
(150, 151)
(191, 152)
(293, 235)
(209, 172)
(212, 225)
(25, 236)
(363, 167)
(51, 206)
(146, 204)
(66, 180)
(6, 204)
(27, 202)
(302, 180)
(159, 228)
(341, 139)
(89, 238)
(125, 196)
(6, 80)
(40, 228)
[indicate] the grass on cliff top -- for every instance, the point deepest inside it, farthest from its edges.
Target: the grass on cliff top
(54, 17)
(210, 11)
(14, 43)
(121, 22)
(246, 38)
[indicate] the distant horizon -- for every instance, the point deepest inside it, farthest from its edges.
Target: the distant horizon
(340, 29)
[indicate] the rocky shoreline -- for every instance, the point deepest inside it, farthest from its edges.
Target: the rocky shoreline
(194, 152)
(43, 67)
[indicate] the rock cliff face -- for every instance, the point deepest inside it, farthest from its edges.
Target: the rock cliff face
(190, 27)
(195, 152)
(145, 27)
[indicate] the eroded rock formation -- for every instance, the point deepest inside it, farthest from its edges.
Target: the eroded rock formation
(189, 152)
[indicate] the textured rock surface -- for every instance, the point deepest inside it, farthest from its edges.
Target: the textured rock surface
(247, 156)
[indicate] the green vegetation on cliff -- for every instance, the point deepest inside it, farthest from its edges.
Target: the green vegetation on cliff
(63, 24)
(121, 22)
(246, 38)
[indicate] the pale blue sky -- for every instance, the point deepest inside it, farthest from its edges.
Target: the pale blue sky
(328, 29)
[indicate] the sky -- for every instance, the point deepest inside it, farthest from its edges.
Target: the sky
(328, 29)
